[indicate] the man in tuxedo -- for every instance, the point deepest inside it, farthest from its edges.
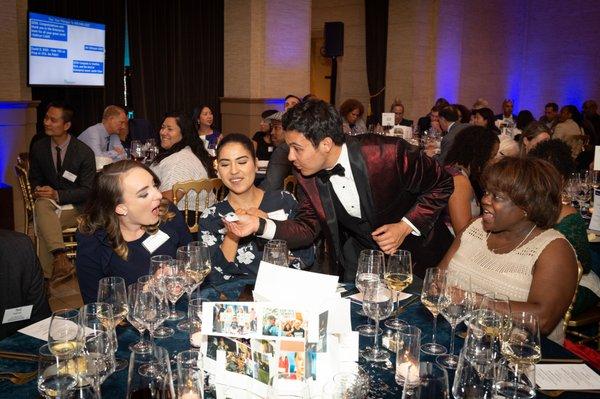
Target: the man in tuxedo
(61, 173)
(449, 122)
(362, 192)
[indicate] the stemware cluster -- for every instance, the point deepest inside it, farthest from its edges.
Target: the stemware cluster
(144, 152)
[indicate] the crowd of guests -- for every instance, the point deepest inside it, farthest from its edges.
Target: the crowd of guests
(489, 205)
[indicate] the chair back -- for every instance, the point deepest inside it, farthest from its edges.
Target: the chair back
(28, 200)
(567, 317)
(207, 193)
(290, 184)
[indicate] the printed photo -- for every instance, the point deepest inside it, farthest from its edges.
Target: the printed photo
(279, 322)
(261, 364)
(322, 344)
(292, 358)
(234, 319)
(311, 361)
(240, 360)
(262, 346)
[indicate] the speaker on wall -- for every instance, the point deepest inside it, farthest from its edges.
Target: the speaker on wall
(334, 39)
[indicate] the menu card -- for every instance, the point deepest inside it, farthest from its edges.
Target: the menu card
(570, 377)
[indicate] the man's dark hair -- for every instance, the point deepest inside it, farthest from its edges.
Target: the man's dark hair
(269, 112)
(291, 96)
(317, 120)
(554, 106)
(65, 107)
(472, 149)
(449, 113)
(558, 153)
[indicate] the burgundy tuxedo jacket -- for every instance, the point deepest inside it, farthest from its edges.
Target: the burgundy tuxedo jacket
(394, 180)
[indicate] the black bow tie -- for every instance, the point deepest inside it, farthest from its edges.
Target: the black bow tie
(325, 174)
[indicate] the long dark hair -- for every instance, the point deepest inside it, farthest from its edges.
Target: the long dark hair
(106, 194)
(189, 138)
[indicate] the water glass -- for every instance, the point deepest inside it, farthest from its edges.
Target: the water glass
(398, 275)
(378, 302)
(408, 341)
(512, 383)
(276, 253)
(369, 270)
(150, 375)
(346, 385)
(432, 382)
(288, 386)
(55, 378)
(65, 333)
(190, 374)
(195, 320)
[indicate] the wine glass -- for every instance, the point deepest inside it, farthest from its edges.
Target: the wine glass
(378, 302)
(499, 304)
(142, 346)
(288, 385)
(55, 379)
(157, 263)
(521, 347)
(433, 285)
(174, 279)
(155, 384)
(398, 275)
(112, 290)
(195, 320)
(197, 267)
(137, 150)
(369, 270)
(98, 360)
(190, 374)
(432, 382)
(345, 385)
(151, 306)
(150, 150)
(455, 304)
(276, 252)
(64, 333)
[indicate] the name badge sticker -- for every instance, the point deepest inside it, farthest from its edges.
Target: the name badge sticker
(153, 242)
(69, 176)
(17, 314)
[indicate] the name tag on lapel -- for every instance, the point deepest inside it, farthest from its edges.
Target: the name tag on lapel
(153, 242)
(69, 176)
(17, 314)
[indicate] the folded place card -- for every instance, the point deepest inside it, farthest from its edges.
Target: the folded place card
(570, 377)
(37, 330)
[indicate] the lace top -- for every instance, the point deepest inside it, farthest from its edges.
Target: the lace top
(510, 273)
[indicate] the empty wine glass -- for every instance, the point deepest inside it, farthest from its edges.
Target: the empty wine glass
(151, 306)
(276, 252)
(97, 361)
(55, 379)
(398, 275)
(174, 279)
(112, 290)
(369, 270)
(455, 304)
(190, 374)
(432, 382)
(150, 375)
(142, 346)
(377, 303)
(154, 282)
(197, 266)
(288, 386)
(65, 333)
(433, 285)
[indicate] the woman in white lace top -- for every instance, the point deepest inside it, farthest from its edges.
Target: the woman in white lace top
(512, 249)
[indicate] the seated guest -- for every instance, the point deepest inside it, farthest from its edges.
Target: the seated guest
(363, 192)
(127, 222)
(139, 129)
(524, 118)
(473, 148)
(464, 115)
(104, 137)
(22, 282)
(61, 173)
(512, 248)
(569, 129)
(481, 103)
(430, 121)
(534, 133)
(280, 166)
(592, 118)
(203, 118)
(290, 101)
(485, 117)
(506, 117)
(398, 109)
(262, 139)
(352, 112)
(550, 117)
(182, 157)
(571, 224)
(449, 122)
(235, 258)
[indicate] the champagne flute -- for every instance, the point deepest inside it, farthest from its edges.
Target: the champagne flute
(65, 333)
(369, 270)
(142, 346)
(521, 347)
(157, 384)
(190, 374)
(398, 275)
(197, 267)
(432, 382)
(455, 305)
(378, 302)
(433, 285)
(55, 379)
(276, 252)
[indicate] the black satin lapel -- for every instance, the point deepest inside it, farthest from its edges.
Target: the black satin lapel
(327, 202)
(361, 178)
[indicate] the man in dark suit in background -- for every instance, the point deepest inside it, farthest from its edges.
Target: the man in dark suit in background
(363, 192)
(21, 284)
(61, 173)
(279, 166)
(449, 122)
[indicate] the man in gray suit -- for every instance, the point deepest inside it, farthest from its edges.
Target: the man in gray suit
(61, 174)
(449, 123)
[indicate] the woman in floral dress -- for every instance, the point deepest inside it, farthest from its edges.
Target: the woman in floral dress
(235, 261)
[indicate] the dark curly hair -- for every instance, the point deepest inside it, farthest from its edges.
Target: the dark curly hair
(558, 153)
(472, 149)
(317, 120)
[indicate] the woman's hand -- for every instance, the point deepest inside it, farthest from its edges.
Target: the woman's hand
(256, 212)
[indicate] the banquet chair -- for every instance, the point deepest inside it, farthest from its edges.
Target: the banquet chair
(22, 170)
(290, 183)
(212, 190)
(587, 318)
